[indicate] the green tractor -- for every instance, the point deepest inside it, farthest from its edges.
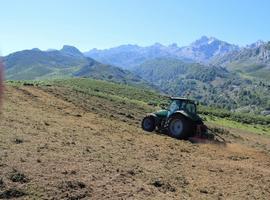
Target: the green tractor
(180, 120)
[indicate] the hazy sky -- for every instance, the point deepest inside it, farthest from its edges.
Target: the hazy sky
(86, 24)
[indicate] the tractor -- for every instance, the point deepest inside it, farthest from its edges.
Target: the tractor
(180, 120)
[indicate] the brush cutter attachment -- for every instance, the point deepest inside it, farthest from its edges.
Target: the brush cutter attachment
(206, 135)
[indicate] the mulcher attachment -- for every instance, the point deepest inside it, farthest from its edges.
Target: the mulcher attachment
(206, 135)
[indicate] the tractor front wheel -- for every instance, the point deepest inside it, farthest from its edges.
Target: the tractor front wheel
(180, 127)
(148, 123)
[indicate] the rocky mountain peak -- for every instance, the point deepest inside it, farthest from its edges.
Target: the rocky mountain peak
(71, 51)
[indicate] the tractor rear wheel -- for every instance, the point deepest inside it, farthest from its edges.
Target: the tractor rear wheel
(148, 123)
(180, 127)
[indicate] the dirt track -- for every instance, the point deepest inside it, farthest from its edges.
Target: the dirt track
(66, 152)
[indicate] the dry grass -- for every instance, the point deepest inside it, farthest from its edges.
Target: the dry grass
(67, 150)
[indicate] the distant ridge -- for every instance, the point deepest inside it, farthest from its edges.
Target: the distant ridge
(68, 62)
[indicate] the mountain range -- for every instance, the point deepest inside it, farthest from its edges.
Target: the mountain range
(210, 70)
(128, 56)
(253, 59)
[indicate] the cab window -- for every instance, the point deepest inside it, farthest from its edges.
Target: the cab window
(191, 108)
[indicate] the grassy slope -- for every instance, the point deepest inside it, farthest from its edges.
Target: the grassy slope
(143, 100)
(254, 70)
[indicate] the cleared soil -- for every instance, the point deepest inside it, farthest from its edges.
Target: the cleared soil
(54, 146)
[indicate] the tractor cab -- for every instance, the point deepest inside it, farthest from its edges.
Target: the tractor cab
(183, 104)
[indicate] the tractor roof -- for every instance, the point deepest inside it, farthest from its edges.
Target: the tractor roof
(182, 99)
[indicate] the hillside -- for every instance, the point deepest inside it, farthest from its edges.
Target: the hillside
(68, 62)
(34, 64)
(210, 85)
(77, 141)
(253, 61)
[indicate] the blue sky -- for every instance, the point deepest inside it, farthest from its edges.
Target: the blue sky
(86, 24)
